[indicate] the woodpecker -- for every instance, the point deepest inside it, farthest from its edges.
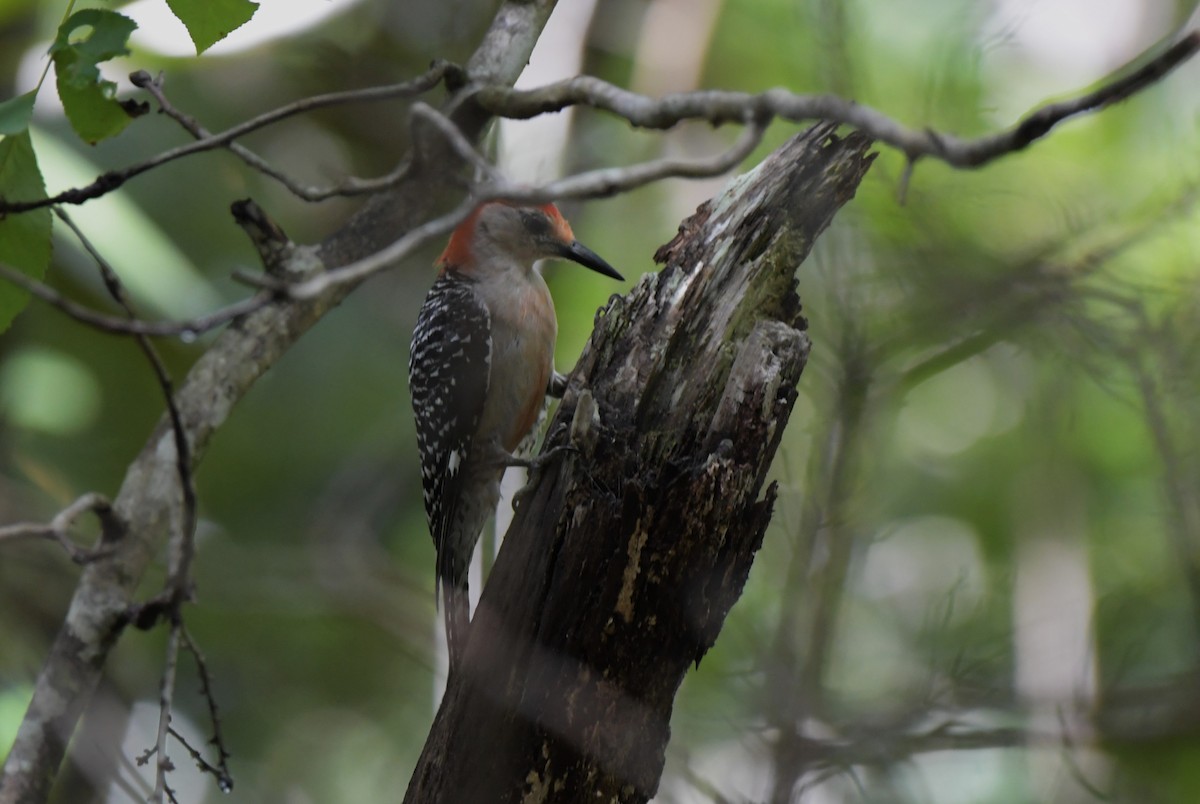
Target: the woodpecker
(479, 369)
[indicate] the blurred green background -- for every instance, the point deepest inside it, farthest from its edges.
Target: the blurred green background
(983, 580)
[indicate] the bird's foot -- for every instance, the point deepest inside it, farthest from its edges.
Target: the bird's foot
(557, 385)
(536, 465)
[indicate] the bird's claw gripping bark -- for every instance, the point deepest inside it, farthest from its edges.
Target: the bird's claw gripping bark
(557, 385)
(536, 465)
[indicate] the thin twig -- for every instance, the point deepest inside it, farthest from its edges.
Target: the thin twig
(178, 583)
(201, 763)
(219, 379)
(605, 182)
(1071, 764)
(347, 187)
(591, 184)
(221, 770)
(135, 786)
(107, 182)
(155, 87)
(189, 328)
(717, 106)
(451, 134)
(166, 695)
(1042, 280)
(57, 528)
(883, 749)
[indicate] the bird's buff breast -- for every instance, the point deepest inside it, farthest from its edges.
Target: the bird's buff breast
(523, 335)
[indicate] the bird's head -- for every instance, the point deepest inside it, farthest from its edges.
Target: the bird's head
(498, 234)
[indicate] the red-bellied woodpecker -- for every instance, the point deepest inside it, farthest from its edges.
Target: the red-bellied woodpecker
(481, 364)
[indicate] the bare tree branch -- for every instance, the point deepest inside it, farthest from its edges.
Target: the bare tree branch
(455, 139)
(133, 326)
(346, 187)
(221, 770)
(149, 495)
(154, 85)
(178, 587)
(438, 72)
(886, 749)
(716, 107)
(591, 184)
(166, 697)
(1121, 722)
(57, 529)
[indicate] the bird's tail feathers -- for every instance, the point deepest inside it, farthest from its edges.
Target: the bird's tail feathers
(458, 619)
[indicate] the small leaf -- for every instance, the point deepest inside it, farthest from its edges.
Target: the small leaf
(89, 100)
(210, 21)
(15, 113)
(107, 39)
(93, 110)
(24, 236)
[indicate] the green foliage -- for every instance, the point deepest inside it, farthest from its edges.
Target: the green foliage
(24, 238)
(15, 113)
(79, 56)
(210, 21)
(90, 100)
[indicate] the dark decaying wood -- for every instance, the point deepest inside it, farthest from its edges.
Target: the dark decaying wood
(625, 557)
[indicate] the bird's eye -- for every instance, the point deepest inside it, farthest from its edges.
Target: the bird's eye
(535, 223)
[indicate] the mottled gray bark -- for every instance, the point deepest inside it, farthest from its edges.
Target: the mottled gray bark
(624, 558)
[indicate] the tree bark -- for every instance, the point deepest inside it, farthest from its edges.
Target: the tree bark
(148, 505)
(624, 557)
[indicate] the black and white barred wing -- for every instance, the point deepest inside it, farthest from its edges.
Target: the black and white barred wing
(448, 371)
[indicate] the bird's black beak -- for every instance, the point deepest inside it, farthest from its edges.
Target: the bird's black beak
(577, 252)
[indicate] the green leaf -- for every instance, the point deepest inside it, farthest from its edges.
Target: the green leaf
(107, 38)
(15, 113)
(92, 109)
(89, 100)
(210, 21)
(24, 236)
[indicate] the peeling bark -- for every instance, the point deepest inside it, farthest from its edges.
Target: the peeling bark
(623, 560)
